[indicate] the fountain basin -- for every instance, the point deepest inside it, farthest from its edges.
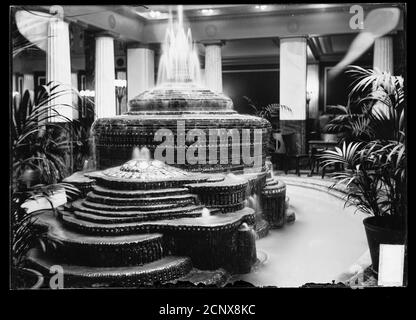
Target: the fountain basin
(323, 243)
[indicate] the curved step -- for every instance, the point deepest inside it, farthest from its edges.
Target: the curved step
(214, 223)
(110, 208)
(137, 201)
(138, 193)
(147, 216)
(117, 250)
(136, 213)
(79, 276)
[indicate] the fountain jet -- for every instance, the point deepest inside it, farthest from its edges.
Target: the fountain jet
(179, 61)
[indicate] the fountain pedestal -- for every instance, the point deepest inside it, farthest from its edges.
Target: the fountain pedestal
(141, 225)
(274, 202)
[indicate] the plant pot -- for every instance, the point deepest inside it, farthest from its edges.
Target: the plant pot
(25, 278)
(382, 230)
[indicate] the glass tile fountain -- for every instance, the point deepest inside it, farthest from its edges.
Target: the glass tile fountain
(144, 221)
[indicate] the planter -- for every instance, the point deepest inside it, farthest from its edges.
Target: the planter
(382, 230)
(25, 278)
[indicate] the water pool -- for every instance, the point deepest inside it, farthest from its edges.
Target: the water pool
(323, 242)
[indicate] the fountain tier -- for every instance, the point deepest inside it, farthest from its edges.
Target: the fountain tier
(137, 228)
(179, 108)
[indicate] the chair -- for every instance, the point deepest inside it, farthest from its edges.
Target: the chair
(290, 142)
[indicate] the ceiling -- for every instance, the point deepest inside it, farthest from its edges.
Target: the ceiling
(197, 11)
(250, 32)
(333, 47)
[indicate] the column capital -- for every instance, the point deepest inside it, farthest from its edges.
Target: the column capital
(295, 37)
(213, 42)
(57, 11)
(102, 34)
(138, 45)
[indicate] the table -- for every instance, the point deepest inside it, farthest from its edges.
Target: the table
(317, 146)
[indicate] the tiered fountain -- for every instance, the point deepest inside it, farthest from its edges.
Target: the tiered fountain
(145, 221)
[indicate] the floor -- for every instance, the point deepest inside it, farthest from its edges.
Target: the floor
(323, 243)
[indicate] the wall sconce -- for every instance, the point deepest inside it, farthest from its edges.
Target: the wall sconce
(86, 96)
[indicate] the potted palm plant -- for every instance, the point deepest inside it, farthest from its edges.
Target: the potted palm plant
(271, 113)
(374, 158)
(38, 152)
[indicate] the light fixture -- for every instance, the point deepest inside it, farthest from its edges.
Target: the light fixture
(154, 14)
(120, 83)
(87, 93)
(207, 12)
(261, 7)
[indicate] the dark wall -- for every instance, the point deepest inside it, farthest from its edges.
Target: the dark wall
(260, 86)
(334, 91)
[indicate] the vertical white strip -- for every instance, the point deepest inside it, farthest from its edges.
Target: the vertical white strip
(14, 86)
(391, 265)
(140, 71)
(105, 94)
(293, 78)
(383, 54)
(58, 68)
(213, 67)
(74, 82)
(312, 86)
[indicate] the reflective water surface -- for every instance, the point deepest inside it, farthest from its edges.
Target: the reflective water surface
(323, 242)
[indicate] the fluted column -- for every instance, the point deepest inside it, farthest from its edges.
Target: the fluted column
(58, 65)
(140, 70)
(105, 96)
(28, 82)
(383, 54)
(383, 60)
(213, 66)
(293, 58)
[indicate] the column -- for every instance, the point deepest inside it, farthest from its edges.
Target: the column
(213, 65)
(28, 82)
(140, 70)
(292, 89)
(74, 83)
(105, 94)
(312, 89)
(383, 60)
(58, 65)
(383, 54)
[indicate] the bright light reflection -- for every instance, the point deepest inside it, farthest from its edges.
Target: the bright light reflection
(207, 12)
(262, 7)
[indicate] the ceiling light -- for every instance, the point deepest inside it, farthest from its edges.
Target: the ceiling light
(262, 7)
(207, 12)
(154, 14)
